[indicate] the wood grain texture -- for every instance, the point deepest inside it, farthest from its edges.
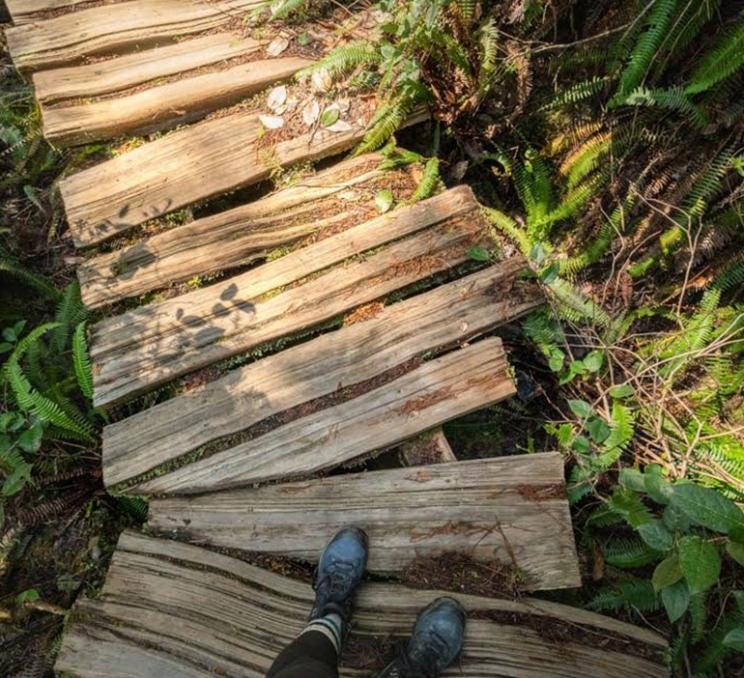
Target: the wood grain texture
(355, 353)
(26, 11)
(138, 68)
(165, 106)
(116, 28)
(439, 390)
(153, 344)
(343, 194)
(172, 609)
(511, 509)
(198, 162)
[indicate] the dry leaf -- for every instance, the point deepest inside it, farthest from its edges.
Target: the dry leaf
(277, 46)
(271, 121)
(277, 99)
(340, 126)
(311, 113)
(321, 80)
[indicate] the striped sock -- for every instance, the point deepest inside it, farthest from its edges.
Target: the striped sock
(331, 626)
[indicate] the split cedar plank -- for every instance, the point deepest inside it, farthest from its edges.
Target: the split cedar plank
(26, 11)
(99, 78)
(444, 316)
(164, 106)
(173, 609)
(140, 349)
(439, 390)
(510, 509)
(238, 236)
(117, 28)
(431, 447)
(197, 162)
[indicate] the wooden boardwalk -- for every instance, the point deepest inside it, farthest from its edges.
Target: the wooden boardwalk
(258, 351)
(233, 618)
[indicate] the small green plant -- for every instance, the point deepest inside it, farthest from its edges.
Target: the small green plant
(45, 373)
(690, 539)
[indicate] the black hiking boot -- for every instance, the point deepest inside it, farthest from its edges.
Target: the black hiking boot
(340, 569)
(436, 642)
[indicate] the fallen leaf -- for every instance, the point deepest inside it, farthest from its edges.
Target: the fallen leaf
(277, 99)
(311, 113)
(340, 126)
(277, 46)
(384, 200)
(271, 121)
(321, 80)
(330, 117)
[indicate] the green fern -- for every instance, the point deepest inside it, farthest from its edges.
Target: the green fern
(672, 99)
(70, 312)
(430, 184)
(81, 361)
(586, 89)
(344, 59)
(32, 401)
(628, 553)
(659, 20)
(636, 594)
(720, 63)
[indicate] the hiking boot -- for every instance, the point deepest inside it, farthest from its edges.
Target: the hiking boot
(340, 569)
(436, 642)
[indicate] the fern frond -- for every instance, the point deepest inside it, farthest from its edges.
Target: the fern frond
(635, 594)
(430, 184)
(81, 361)
(672, 99)
(629, 553)
(720, 63)
(509, 227)
(344, 59)
(586, 89)
(621, 433)
(646, 47)
(70, 312)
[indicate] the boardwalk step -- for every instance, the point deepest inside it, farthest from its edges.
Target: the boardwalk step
(113, 28)
(153, 344)
(171, 609)
(26, 11)
(512, 509)
(341, 195)
(197, 162)
(439, 390)
(291, 380)
(166, 105)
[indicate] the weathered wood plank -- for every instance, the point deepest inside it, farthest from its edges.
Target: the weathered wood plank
(113, 29)
(99, 78)
(164, 106)
(171, 609)
(513, 510)
(26, 11)
(431, 447)
(439, 390)
(343, 194)
(356, 353)
(153, 344)
(198, 162)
